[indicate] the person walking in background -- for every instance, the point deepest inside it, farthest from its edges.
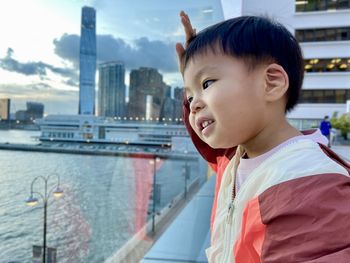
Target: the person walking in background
(325, 128)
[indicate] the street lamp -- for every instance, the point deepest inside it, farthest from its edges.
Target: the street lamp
(32, 201)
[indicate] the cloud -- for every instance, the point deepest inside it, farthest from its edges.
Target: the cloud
(71, 82)
(55, 100)
(67, 47)
(34, 68)
(143, 52)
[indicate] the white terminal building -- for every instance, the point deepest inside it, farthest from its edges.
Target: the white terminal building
(322, 28)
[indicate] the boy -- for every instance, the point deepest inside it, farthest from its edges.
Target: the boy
(281, 196)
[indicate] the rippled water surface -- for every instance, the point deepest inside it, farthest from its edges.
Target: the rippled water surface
(105, 201)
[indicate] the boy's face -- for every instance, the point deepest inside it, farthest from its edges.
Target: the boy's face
(227, 101)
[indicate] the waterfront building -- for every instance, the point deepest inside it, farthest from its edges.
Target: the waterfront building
(111, 90)
(323, 31)
(93, 129)
(87, 61)
(146, 93)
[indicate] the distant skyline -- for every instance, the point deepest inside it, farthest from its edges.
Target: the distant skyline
(39, 48)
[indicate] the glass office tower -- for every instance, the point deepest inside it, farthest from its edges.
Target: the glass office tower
(87, 61)
(111, 88)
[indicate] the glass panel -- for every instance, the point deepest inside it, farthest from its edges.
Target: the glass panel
(319, 35)
(331, 5)
(309, 35)
(340, 96)
(344, 34)
(343, 4)
(300, 7)
(318, 95)
(299, 35)
(309, 124)
(310, 6)
(331, 34)
(329, 96)
(323, 34)
(306, 96)
(320, 5)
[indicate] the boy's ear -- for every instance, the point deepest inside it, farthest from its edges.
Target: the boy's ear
(276, 82)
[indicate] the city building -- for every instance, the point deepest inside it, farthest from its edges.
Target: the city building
(5, 109)
(178, 97)
(146, 93)
(111, 89)
(34, 111)
(87, 61)
(323, 31)
(167, 111)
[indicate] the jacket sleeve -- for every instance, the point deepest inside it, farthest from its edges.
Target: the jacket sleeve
(308, 222)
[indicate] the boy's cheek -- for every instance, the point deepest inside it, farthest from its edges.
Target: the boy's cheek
(192, 122)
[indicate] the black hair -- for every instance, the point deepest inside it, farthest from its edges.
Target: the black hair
(256, 40)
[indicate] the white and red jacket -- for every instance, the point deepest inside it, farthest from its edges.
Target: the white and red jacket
(294, 207)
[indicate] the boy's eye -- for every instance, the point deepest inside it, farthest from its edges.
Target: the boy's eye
(189, 99)
(207, 83)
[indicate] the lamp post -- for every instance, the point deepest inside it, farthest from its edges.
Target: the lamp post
(32, 201)
(186, 174)
(154, 162)
(186, 177)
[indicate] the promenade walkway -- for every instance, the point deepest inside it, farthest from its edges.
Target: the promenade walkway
(343, 151)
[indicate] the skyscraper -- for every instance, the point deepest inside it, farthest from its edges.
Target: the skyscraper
(146, 93)
(178, 97)
(167, 110)
(87, 61)
(111, 89)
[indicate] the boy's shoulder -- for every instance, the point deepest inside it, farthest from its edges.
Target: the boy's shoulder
(305, 158)
(309, 209)
(300, 163)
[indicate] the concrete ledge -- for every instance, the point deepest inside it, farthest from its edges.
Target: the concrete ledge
(91, 149)
(134, 250)
(188, 236)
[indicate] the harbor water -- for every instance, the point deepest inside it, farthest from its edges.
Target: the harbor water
(106, 200)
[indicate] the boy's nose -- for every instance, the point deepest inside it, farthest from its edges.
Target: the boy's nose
(196, 105)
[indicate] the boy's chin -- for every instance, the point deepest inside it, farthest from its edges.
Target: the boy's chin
(216, 145)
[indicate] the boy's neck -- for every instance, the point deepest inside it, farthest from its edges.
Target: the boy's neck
(270, 137)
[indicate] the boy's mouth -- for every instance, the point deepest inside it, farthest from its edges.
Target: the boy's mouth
(203, 123)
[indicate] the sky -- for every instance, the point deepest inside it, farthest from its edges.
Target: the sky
(39, 47)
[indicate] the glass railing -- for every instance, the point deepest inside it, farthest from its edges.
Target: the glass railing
(117, 186)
